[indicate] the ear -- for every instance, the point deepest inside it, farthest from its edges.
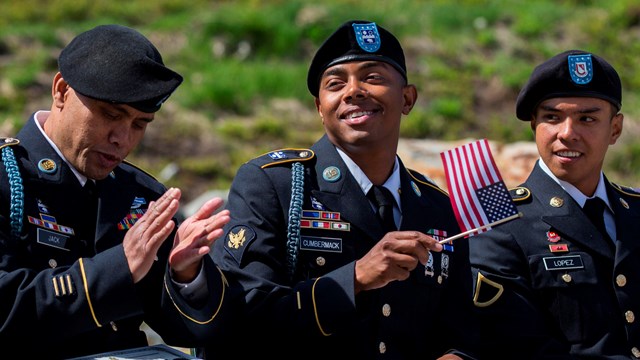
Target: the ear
(616, 128)
(319, 109)
(410, 95)
(59, 90)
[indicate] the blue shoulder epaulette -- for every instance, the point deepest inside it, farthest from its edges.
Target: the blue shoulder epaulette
(425, 180)
(627, 190)
(520, 193)
(127, 162)
(282, 156)
(8, 141)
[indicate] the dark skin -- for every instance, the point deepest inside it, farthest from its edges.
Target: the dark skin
(361, 105)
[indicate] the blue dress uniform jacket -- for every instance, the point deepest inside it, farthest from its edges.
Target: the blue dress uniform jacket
(65, 287)
(299, 298)
(549, 285)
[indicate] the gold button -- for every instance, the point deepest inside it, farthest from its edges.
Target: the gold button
(519, 191)
(621, 280)
(439, 279)
(382, 347)
(624, 203)
(629, 316)
(53, 263)
(320, 261)
(566, 278)
(635, 352)
(386, 310)
(556, 202)
(114, 327)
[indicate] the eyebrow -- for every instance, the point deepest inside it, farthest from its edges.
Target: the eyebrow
(337, 69)
(588, 110)
(122, 109)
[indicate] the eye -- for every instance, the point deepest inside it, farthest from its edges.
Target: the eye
(333, 84)
(374, 77)
(111, 115)
(139, 125)
(549, 117)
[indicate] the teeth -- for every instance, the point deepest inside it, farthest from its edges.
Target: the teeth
(568, 153)
(358, 114)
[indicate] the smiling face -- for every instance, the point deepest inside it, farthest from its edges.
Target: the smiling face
(94, 136)
(361, 104)
(573, 135)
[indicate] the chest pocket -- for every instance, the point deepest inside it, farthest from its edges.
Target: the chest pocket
(563, 284)
(321, 251)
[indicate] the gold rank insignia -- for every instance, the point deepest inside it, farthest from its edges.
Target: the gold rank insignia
(236, 240)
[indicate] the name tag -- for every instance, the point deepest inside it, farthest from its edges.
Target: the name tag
(563, 262)
(321, 244)
(51, 238)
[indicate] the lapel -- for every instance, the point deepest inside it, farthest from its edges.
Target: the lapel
(342, 193)
(563, 214)
(416, 212)
(115, 201)
(41, 154)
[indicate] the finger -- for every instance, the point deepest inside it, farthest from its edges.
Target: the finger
(216, 222)
(208, 208)
(158, 237)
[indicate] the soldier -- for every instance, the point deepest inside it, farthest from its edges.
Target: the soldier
(563, 281)
(323, 275)
(83, 233)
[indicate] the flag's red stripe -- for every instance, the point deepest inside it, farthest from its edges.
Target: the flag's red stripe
(465, 189)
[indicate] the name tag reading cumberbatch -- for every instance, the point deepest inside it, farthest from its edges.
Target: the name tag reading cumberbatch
(563, 262)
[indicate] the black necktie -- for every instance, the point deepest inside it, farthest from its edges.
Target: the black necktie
(594, 208)
(383, 199)
(91, 190)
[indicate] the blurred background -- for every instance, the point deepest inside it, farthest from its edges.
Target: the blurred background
(245, 63)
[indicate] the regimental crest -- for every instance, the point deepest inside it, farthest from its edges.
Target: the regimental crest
(367, 36)
(580, 68)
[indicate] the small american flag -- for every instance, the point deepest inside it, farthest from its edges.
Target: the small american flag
(478, 195)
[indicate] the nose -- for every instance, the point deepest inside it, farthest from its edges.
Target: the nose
(120, 134)
(568, 130)
(355, 91)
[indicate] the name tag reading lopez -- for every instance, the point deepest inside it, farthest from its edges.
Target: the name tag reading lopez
(563, 262)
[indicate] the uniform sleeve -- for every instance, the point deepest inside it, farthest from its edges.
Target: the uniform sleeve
(79, 297)
(202, 322)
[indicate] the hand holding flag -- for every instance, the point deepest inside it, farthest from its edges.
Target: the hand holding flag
(478, 195)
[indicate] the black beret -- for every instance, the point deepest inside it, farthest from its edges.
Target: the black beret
(117, 64)
(573, 73)
(355, 40)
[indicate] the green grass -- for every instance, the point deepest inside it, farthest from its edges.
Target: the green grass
(468, 59)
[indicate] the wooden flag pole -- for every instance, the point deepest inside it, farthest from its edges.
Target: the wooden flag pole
(508, 218)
